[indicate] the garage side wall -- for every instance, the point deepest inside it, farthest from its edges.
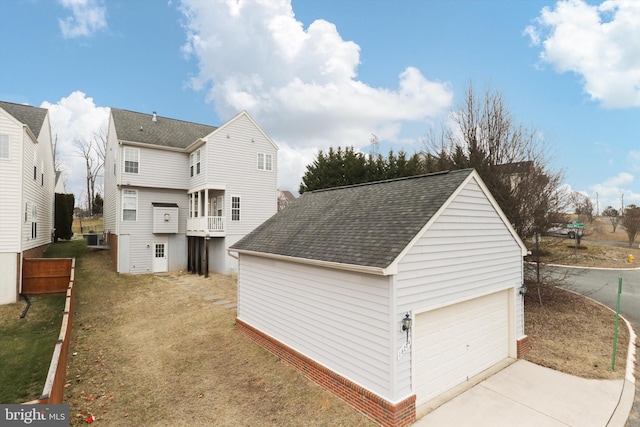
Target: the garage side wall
(467, 252)
(337, 318)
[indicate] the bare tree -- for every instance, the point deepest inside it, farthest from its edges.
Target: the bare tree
(613, 215)
(93, 152)
(583, 206)
(631, 222)
(512, 160)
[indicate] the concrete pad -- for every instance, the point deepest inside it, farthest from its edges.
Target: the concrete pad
(525, 394)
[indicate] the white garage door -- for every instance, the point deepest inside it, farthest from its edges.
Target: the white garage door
(454, 343)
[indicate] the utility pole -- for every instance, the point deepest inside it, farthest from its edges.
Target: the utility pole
(597, 205)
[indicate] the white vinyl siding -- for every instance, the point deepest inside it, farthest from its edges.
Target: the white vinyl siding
(467, 251)
(5, 147)
(338, 318)
(129, 205)
(112, 199)
(230, 162)
(131, 160)
(140, 237)
(158, 168)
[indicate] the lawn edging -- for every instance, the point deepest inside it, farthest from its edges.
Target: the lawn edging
(53, 390)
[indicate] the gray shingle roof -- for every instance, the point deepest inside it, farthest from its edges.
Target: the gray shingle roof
(33, 117)
(365, 225)
(139, 127)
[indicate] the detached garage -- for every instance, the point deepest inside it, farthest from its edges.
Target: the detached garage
(389, 294)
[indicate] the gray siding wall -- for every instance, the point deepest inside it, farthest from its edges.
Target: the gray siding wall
(338, 318)
(111, 170)
(141, 231)
(468, 251)
(11, 209)
(158, 168)
(231, 159)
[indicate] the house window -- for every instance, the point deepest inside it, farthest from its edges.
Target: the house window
(235, 208)
(131, 160)
(4, 147)
(34, 221)
(41, 173)
(35, 165)
(195, 163)
(265, 162)
(129, 205)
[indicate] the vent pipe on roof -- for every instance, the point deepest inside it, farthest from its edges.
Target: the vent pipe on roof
(154, 118)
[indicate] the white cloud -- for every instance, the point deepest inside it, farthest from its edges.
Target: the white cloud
(74, 118)
(611, 191)
(87, 17)
(300, 84)
(601, 43)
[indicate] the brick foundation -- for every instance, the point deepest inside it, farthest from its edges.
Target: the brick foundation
(523, 346)
(373, 406)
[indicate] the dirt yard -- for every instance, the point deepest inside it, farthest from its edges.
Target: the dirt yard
(148, 351)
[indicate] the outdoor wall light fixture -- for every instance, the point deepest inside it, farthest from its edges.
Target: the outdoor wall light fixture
(167, 217)
(522, 289)
(406, 324)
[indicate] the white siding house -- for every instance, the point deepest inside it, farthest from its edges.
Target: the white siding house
(26, 191)
(178, 194)
(329, 280)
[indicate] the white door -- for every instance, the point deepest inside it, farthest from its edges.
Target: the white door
(123, 253)
(160, 261)
(455, 343)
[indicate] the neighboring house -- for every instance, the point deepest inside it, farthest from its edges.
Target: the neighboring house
(59, 183)
(328, 283)
(284, 198)
(178, 194)
(26, 191)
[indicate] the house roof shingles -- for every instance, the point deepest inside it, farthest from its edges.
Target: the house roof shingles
(365, 225)
(139, 127)
(31, 116)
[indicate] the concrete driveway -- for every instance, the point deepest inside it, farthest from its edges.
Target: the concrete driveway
(525, 394)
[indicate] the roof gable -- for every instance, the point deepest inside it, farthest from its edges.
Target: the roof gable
(363, 225)
(139, 127)
(31, 116)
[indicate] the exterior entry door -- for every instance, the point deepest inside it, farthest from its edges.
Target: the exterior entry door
(160, 260)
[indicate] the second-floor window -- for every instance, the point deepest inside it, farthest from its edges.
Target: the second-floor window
(235, 208)
(4, 147)
(265, 162)
(129, 205)
(195, 163)
(131, 160)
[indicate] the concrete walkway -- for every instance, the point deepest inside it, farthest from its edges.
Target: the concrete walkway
(527, 395)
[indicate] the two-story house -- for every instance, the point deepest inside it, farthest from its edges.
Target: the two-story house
(178, 194)
(26, 191)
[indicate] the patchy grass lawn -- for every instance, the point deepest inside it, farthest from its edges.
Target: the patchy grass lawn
(92, 224)
(555, 250)
(26, 346)
(148, 352)
(573, 334)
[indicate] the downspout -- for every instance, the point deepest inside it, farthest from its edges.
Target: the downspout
(26, 298)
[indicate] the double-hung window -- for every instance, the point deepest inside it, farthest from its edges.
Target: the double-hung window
(235, 208)
(265, 162)
(5, 145)
(195, 163)
(131, 160)
(129, 205)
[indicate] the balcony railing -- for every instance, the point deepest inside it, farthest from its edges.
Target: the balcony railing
(203, 224)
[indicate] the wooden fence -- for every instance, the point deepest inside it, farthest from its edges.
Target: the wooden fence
(53, 391)
(47, 275)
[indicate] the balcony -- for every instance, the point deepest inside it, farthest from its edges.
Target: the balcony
(212, 226)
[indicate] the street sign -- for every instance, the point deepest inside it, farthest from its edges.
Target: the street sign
(575, 224)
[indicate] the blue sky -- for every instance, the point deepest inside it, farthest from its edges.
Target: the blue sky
(316, 74)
